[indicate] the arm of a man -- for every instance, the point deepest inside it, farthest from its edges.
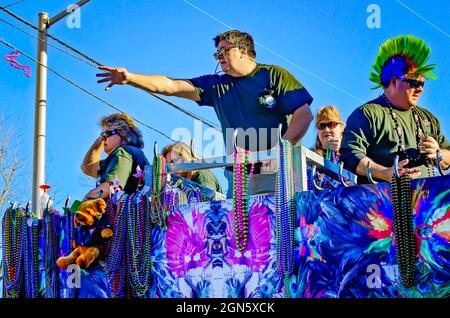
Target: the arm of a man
(300, 121)
(91, 161)
(158, 84)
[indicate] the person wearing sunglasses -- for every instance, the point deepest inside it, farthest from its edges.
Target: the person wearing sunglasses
(329, 126)
(394, 124)
(248, 95)
(122, 142)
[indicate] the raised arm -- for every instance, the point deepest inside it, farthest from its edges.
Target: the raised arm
(91, 161)
(158, 84)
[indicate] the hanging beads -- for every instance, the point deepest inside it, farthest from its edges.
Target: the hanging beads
(138, 247)
(14, 243)
(285, 213)
(401, 137)
(241, 196)
(403, 228)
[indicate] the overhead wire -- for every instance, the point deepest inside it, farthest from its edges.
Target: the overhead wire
(14, 3)
(50, 44)
(96, 64)
(83, 89)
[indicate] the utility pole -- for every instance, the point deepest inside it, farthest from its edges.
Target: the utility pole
(44, 22)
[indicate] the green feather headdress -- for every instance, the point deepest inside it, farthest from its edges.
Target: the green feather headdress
(400, 56)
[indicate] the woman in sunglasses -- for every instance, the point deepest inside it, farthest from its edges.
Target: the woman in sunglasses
(122, 142)
(329, 126)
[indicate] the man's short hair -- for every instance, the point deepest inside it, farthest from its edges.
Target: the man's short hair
(126, 127)
(238, 38)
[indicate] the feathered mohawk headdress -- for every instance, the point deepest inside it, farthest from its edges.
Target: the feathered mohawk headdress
(401, 56)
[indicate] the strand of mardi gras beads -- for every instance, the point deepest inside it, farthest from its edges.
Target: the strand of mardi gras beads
(240, 202)
(159, 181)
(14, 231)
(69, 233)
(114, 265)
(404, 228)
(119, 274)
(51, 249)
(32, 259)
(285, 213)
(138, 254)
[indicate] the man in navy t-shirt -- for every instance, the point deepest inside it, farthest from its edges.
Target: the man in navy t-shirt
(253, 97)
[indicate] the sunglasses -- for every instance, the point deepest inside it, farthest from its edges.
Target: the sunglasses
(413, 83)
(219, 53)
(107, 133)
(331, 125)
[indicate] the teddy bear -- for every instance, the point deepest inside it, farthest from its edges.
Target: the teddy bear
(92, 230)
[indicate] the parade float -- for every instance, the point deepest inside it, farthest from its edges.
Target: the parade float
(176, 239)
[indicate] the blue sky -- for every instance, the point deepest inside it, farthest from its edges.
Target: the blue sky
(327, 45)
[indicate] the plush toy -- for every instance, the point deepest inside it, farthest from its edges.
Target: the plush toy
(92, 230)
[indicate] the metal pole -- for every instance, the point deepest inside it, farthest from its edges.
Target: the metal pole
(41, 102)
(40, 113)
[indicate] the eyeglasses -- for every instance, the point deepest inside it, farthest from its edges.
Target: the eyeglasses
(331, 125)
(107, 133)
(220, 52)
(413, 83)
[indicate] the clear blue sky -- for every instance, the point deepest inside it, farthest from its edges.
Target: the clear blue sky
(327, 45)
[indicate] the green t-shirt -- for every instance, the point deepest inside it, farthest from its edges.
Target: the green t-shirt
(207, 179)
(122, 162)
(239, 103)
(370, 131)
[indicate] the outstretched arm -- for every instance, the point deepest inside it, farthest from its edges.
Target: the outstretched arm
(158, 84)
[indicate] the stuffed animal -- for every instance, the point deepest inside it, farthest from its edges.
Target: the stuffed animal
(92, 230)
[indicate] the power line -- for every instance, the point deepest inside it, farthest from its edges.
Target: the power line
(13, 4)
(190, 114)
(83, 89)
(54, 46)
(15, 16)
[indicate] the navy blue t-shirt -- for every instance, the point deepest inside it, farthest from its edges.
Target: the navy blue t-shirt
(239, 103)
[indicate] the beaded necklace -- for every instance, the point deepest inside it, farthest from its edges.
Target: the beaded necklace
(32, 259)
(285, 213)
(158, 207)
(68, 237)
(138, 247)
(51, 228)
(240, 198)
(401, 141)
(115, 263)
(405, 240)
(14, 242)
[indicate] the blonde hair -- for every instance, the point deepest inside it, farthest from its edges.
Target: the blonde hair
(330, 113)
(183, 151)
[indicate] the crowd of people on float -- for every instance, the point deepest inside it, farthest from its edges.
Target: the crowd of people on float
(249, 94)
